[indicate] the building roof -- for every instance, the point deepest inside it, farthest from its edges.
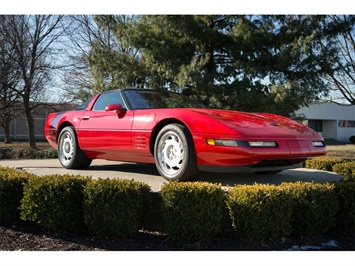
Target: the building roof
(327, 111)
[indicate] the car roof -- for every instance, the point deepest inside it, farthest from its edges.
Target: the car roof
(115, 90)
(136, 89)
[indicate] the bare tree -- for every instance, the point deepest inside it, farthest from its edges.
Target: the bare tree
(82, 33)
(341, 68)
(7, 114)
(9, 79)
(32, 37)
(92, 46)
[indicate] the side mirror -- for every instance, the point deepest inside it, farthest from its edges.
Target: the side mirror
(118, 108)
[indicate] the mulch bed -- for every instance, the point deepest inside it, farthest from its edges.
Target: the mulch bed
(30, 237)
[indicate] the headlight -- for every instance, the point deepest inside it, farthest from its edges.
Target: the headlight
(318, 143)
(262, 143)
(241, 143)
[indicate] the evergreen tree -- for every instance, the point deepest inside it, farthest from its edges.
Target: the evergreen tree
(119, 65)
(250, 63)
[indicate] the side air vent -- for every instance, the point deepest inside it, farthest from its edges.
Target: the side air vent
(139, 142)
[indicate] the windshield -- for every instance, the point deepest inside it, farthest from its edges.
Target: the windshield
(148, 99)
(83, 105)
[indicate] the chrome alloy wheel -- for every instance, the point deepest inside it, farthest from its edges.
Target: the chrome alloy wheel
(171, 153)
(66, 148)
(69, 153)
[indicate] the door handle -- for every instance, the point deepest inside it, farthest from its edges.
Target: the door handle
(86, 117)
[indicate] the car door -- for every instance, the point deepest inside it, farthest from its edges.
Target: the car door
(106, 134)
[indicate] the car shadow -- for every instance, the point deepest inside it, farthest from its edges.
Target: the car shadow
(294, 175)
(137, 168)
(228, 179)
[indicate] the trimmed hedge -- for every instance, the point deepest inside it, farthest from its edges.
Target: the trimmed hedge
(54, 202)
(5, 153)
(11, 193)
(345, 217)
(314, 207)
(346, 170)
(260, 212)
(324, 163)
(192, 211)
(115, 207)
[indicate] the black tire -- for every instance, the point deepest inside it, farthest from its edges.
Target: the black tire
(69, 153)
(174, 153)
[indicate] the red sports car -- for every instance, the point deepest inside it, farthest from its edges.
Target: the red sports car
(179, 135)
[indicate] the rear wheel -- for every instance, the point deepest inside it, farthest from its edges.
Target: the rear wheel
(174, 153)
(69, 153)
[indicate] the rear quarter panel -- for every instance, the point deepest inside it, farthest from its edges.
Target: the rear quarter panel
(57, 121)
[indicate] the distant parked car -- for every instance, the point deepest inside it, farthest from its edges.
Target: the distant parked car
(179, 135)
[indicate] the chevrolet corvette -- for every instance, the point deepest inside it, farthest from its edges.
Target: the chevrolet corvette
(179, 135)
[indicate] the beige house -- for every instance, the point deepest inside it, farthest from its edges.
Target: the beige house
(18, 126)
(19, 132)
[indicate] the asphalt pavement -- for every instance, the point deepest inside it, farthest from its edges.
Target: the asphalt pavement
(148, 173)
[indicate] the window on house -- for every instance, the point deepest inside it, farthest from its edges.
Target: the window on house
(346, 123)
(316, 125)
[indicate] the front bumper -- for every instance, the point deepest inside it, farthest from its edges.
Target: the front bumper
(293, 151)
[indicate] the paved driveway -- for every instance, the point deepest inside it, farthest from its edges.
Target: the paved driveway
(148, 173)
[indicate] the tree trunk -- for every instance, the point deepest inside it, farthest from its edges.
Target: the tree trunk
(31, 132)
(7, 134)
(5, 122)
(30, 124)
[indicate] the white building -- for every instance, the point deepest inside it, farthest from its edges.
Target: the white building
(330, 119)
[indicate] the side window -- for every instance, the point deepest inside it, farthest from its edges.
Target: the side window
(107, 98)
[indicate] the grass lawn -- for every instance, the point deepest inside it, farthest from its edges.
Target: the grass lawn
(345, 151)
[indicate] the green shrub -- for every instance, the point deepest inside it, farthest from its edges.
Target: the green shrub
(324, 163)
(54, 202)
(11, 193)
(192, 211)
(260, 212)
(346, 170)
(4, 153)
(44, 154)
(314, 207)
(115, 207)
(345, 218)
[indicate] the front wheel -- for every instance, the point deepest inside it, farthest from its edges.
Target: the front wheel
(174, 153)
(69, 153)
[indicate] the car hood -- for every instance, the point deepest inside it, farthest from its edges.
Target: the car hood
(263, 124)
